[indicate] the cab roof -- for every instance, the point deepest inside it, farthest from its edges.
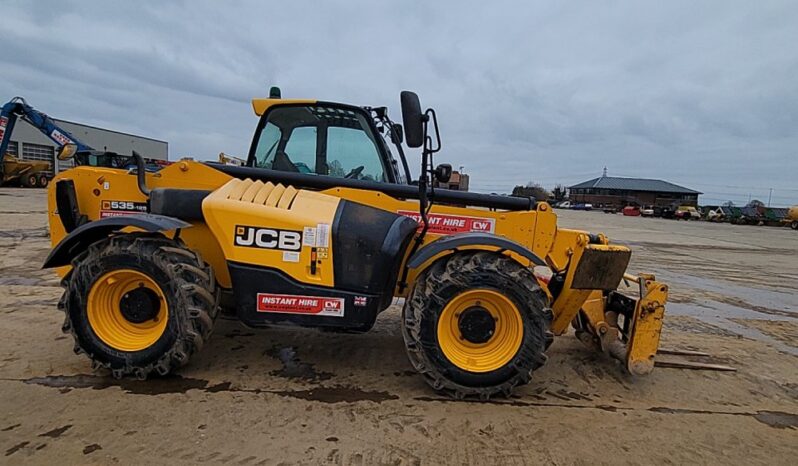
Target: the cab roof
(260, 106)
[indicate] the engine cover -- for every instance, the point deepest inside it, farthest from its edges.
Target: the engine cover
(302, 257)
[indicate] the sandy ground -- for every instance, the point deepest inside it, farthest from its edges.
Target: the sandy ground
(290, 396)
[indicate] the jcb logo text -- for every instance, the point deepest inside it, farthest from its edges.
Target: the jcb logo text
(268, 238)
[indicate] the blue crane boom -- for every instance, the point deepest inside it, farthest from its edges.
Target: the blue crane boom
(16, 108)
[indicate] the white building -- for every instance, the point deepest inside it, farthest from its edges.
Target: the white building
(33, 145)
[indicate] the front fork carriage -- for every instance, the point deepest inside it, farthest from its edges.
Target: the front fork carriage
(625, 328)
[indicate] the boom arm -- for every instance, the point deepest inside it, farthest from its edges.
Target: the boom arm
(17, 107)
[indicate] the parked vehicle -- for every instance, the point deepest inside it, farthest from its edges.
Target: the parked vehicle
(27, 173)
(563, 205)
(664, 212)
(631, 211)
(582, 206)
(647, 211)
(31, 173)
(716, 215)
(792, 217)
(687, 212)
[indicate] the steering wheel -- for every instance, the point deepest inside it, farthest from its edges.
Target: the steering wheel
(355, 172)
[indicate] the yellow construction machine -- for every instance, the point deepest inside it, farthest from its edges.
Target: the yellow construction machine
(322, 227)
(792, 217)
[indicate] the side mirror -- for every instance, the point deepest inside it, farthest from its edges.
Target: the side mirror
(412, 118)
(443, 173)
(397, 134)
(67, 151)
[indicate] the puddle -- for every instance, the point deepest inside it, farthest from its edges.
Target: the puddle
(724, 306)
(55, 433)
(177, 384)
(720, 315)
(338, 394)
(91, 448)
(293, 368)
(16, 448)
(154, 386)
(773, 301)
(778, 419)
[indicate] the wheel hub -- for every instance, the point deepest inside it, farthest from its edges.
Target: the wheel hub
(476, 325)
(140, 305)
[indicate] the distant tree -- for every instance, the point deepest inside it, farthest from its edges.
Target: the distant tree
(728, 204)
(755, 203)
(558, 192)
(335, 169)
(531, 190)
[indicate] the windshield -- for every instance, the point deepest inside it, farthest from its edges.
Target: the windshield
(320, 140)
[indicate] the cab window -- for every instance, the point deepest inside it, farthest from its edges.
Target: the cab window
(319, 140)
(302, 147)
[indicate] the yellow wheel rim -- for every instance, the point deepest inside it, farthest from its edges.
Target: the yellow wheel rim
(110, 318)
(491, 349)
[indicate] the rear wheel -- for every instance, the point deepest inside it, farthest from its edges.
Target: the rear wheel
(29, 181)
(139, 303)
(476, 324)
(794, 225)
(42, 181)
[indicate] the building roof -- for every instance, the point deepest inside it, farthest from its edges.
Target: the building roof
(59, 120)
(634, 184)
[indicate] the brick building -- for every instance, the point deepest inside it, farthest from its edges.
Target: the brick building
(613, 191)
(458, 182)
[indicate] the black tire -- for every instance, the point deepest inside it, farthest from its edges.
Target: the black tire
(794, 225)
(187, 284)
(42, 181)
(446, 279)
(29, 181)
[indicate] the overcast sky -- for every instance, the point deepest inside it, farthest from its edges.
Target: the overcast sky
(703, 94)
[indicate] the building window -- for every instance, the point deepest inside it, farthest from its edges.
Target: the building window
(39, 152)
(12, 148)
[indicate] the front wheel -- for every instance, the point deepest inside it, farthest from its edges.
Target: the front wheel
(476, 324)
(794, 225)
(138, 303)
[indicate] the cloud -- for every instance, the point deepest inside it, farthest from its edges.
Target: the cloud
(700, 94)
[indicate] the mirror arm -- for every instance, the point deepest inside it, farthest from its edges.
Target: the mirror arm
(398, 144)
(430, 115)
(404, 162)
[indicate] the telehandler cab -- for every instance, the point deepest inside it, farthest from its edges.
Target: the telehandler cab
(323, 227)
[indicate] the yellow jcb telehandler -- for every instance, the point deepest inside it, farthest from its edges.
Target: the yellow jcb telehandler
(323, 227)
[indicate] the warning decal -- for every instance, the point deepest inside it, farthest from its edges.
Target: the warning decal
(60, 137)
(449, 224)
(295, 304)
(3, 124)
